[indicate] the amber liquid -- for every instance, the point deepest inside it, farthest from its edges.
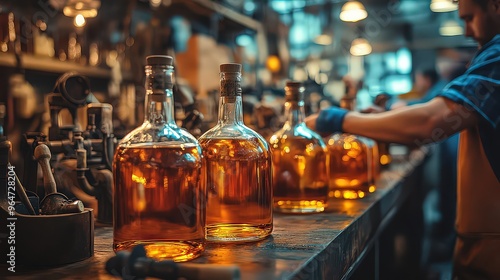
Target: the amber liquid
(158, 201)
(300, 176)
(385, 156)
(374, 165)
(238, 178)
(349, 167)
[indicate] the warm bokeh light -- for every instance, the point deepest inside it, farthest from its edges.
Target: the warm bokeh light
(79, 21)
(385, 159)
(86, 8)
(442, 6)
(273, 63)
(451, 28)
(353, 11)
(360, 47)
(323, 39)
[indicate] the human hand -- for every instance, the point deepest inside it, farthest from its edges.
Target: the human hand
(327, 121)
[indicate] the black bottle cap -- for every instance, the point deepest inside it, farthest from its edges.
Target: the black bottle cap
(159, 60)
(230, 67)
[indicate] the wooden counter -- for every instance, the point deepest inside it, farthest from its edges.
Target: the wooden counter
(347, 241)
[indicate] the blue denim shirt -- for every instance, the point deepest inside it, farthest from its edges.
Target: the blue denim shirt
(478, 89)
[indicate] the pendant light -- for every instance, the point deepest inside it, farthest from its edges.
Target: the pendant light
(451, 28)
(86, 8)
(325, 38)
(360, 47)
(442, 6)
(353, 11)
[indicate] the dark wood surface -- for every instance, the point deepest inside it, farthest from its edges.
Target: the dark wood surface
(316, 246)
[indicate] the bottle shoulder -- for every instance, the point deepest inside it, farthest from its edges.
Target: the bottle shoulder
(299, 131)
(231, 131)
(165, 135)
(237, 142)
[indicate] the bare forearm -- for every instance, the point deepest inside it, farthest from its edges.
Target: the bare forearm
(405, 126)
(412, 125)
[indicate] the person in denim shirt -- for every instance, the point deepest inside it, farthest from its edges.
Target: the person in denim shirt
(469, 105)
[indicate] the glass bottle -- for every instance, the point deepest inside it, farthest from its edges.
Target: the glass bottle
(237, 168)
(385, 157)
(158, 195)
(351, 162)
(300, 160)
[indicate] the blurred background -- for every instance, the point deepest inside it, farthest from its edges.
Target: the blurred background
(382, 51)
(373, 47)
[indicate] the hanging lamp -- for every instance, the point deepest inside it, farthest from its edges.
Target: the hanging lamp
(353, 11)
(442, 6)
(360, 47)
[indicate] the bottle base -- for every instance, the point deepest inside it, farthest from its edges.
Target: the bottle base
(347, 194)
(177, 251)
(237, 233)
(299, 206)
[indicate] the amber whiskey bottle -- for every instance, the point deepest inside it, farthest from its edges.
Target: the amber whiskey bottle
(300, 160)
(237, 170)
(352, 164)
(158, 195)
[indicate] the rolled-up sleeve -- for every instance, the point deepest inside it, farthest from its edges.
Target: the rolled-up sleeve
(479, 90)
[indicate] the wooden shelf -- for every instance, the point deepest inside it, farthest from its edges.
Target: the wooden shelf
(52, 65)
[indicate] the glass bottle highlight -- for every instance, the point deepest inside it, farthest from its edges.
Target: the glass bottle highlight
(158, 195)
(238, 170)
(300, 160)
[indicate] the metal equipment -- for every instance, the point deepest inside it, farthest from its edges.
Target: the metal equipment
(81, 158)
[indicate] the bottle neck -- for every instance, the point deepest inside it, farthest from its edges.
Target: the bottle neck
(230, 103)
(159, 104)
(230, 110)
(294, 113)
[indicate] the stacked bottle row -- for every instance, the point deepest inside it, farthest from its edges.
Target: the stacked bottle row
(173, 192)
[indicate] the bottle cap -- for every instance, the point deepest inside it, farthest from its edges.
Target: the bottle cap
(230, 67)
(159, 60)
(294, 91)
(293, 84)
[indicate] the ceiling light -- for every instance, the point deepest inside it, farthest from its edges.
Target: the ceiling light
(323, 39)
(353, 11)
(451, 28)
(86, 8)
(360, 47)
(441, 6)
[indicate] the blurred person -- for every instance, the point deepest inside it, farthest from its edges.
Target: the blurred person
(469, 105)
(427, 84)
(440, 204)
